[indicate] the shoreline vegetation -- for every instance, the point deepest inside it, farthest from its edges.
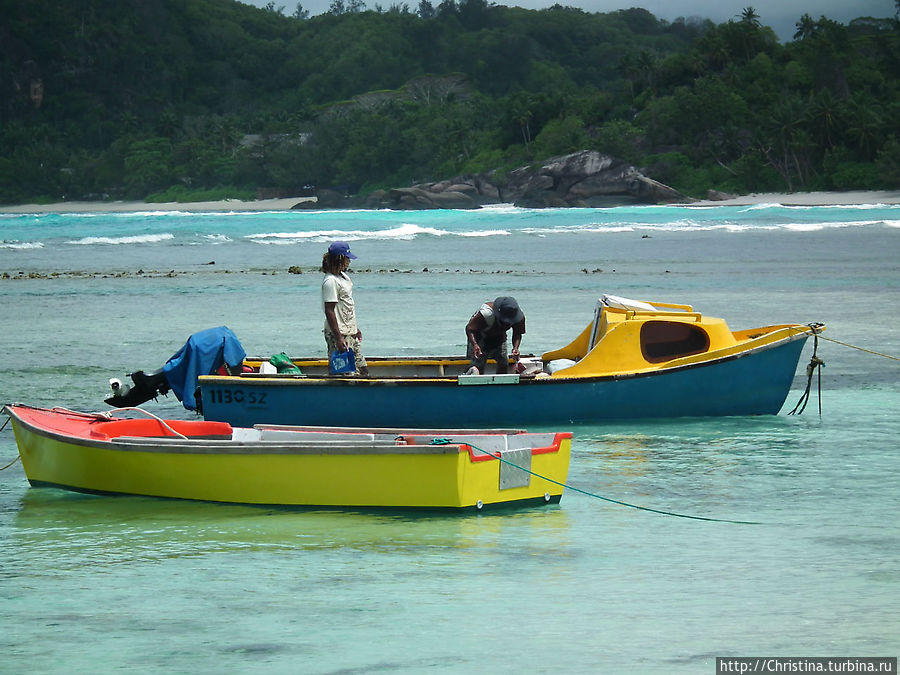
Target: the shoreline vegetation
(861, 197)
(235, 101)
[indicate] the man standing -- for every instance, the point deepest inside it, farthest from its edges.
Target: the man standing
(341, 331)
(486, 334)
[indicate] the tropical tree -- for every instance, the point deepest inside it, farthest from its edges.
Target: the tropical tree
(750, 18)
(806, 27)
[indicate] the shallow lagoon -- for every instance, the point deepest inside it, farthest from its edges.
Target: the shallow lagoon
(587, 586)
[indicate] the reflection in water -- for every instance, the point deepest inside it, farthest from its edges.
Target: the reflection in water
(69, 530)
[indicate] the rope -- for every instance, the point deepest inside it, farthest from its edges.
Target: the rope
(17, 457)
(97, 416)
(862, 349)
(109, 415)
(443, 441)
(817, 331)
(10, 464)
(815, 363)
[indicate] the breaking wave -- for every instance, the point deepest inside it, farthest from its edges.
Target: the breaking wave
(128, 239)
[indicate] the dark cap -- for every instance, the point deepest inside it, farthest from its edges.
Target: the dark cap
(507, 310)
(341, 248)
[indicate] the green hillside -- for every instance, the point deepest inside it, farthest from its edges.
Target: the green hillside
(186, 98)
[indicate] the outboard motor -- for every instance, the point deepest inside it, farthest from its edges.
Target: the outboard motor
(203, 354)
(145, 387)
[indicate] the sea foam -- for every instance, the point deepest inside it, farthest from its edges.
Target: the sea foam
(133, 239)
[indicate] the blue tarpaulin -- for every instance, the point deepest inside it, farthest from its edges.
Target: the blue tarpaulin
(202, 354)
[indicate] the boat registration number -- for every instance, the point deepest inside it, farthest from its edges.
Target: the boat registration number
(229, 396)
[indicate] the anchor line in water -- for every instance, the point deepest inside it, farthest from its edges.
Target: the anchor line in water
(815, 364)
(17, 456)
(3, 468)
(444, 441)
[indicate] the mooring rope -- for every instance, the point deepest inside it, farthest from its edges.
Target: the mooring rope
(815, 364)
(17, 456)
(109, 415)
(816, 331)
(10, 464)
(444, 441)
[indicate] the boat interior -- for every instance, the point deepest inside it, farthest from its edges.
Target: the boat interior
(159, 432)
(623, 336)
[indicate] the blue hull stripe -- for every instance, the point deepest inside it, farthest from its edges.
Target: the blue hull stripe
(752, 383)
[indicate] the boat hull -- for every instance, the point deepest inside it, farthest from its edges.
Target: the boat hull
(754, 382)
(287, 474)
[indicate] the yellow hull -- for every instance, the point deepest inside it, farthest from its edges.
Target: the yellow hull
(412, 476)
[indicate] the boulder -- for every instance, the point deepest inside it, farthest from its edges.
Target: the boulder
(581, 179)
(412, 198)
(586, 177)
(452, 199)
(488, 192)
(717, 196)
(306, 204)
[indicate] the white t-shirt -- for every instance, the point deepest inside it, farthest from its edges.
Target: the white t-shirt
(339, 289)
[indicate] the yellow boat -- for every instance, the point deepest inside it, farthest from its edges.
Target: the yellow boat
(292, 466)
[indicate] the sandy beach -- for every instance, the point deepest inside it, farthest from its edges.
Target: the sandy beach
(285, 204)
(812, 198)
(127, 207)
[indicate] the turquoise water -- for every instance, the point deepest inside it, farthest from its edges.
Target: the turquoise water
(133, 584)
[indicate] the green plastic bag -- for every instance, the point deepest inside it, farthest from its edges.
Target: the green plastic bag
(284, 365)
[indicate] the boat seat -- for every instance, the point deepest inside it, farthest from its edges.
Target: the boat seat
(152, 428)
(244, 435)
(285, 434)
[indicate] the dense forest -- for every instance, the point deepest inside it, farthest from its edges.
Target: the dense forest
(181, 99)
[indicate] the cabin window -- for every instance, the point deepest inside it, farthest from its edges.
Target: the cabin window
(666, 340)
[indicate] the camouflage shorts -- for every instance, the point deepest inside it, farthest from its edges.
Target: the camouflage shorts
(496, 352)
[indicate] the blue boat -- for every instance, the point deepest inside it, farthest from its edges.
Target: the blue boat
(633, 360)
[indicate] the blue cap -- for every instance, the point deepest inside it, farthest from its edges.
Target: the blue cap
(507, 310)
(341, 248)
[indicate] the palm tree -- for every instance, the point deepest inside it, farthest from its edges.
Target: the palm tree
(629, 71)
(750, 18)
(748, 33)
(865, 124)
(806, 27)
(784, 143)
(825, 113)
(646, 64)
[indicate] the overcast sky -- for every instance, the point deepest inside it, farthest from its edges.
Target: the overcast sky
(781, 15)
